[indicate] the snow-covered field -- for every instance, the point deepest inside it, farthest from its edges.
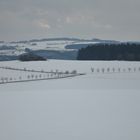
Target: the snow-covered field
(102, 105)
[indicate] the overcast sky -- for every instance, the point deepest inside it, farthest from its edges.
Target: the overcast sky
(105, 19)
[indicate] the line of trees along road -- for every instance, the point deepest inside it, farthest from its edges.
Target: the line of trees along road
(122, 51)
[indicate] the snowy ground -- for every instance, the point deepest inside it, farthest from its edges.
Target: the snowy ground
(99, 105)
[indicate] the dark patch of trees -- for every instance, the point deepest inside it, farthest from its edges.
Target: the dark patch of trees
(122, 51)
(31, 57)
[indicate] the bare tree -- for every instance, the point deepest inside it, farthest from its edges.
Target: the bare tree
(56, 71)
(20, 78)
(108, 69)
(67, 72)
(2, 80)
(32, 76)
(92, 69)
(119, 69)
(40, 76)
(11, 79)
(28, 77)
(36, 77)
(74, 72)
(134, 69)
(103, 70)
(6, 79)
(113, 69)
(129, 69)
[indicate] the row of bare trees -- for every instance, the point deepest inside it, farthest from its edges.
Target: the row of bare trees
(115, 70)
(42, 75)
(39, 71)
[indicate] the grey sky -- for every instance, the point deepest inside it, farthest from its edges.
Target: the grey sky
(106, 19)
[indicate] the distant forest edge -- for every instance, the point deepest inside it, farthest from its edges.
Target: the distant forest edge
(122, 51)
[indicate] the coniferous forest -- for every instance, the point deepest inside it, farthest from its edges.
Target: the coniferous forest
(121, 51)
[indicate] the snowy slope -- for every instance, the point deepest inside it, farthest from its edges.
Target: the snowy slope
(17, 48)
(54, 48)
(98, 105)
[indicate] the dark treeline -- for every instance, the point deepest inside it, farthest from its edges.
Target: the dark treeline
(122, 51)
(31, 57)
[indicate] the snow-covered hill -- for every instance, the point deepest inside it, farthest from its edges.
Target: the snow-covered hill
(53, 48)
(103, 104)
